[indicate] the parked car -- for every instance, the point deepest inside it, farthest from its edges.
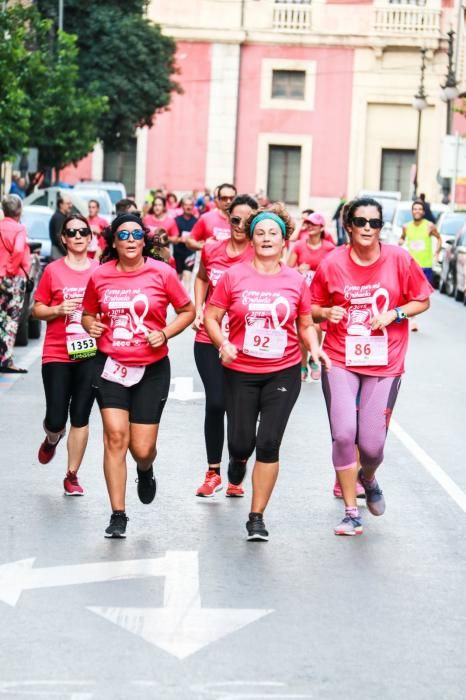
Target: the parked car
(36, 219)
(388, 200)
(116, 190)
(48, 198)
(30, 327)
(448, 226)
(403, 215)
(452, 279)
(101, 196)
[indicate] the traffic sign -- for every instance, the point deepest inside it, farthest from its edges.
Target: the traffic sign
(453, 159)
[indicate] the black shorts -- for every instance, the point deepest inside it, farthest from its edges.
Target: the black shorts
(184, 260)
(144, 401)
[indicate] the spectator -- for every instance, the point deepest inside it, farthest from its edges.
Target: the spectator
(427, 210)
(126, 206)
(14, 266)
(18, 186)
(64, 206)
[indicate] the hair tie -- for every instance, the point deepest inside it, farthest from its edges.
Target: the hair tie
(267, 215)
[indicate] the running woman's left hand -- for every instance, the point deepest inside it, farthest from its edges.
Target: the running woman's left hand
(156, 339)
(383, 320)
(321, 356)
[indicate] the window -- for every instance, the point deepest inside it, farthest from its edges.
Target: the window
(419, 3)
(284, 173)
(397, 170)
(288, 84)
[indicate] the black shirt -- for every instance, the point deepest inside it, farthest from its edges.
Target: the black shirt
(184, 226)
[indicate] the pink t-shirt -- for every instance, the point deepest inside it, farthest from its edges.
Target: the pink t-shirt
(262, 311)
(14, 250)
(211, 225)
(167, 223)
(217, 261)
(57, 284)
(393, 280)
(311, 256)
(132, 305)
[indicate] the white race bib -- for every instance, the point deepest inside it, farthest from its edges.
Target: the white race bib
(269, 343)
(122, 374)
(81, 346)
(364, 351)
(417, 245)
(308, 276)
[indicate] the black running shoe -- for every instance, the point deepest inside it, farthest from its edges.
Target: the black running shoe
(147, 485)
(236, 471)
(117, 527)
(256, 528)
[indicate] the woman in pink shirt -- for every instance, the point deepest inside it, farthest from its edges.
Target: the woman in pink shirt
(268, 306)
(157, 217)
(14, 266)
(68, 352)
(125, 309)
(365, 291)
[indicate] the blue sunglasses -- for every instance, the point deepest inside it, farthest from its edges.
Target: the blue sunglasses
(137, 235)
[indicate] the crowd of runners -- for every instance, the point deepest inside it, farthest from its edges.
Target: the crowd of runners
(271, 303)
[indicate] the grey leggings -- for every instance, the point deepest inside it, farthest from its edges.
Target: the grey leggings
(359, 409)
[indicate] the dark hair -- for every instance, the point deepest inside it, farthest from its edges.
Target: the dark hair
(243, 199)
(122, 206)
(224, 184)
(308, 212)
(420, 203)
(361, 202)
(67, 220)
(110, 253)
(162, 199)
(171, 194)
(277, 208)
(95, 202)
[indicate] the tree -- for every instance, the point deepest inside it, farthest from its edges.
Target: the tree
(125, 57)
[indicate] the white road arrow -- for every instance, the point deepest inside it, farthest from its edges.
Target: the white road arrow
(182, 627)
(183, 390)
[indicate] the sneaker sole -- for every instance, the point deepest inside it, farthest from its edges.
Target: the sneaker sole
(348, 534)
(210, 495)
(258, 538)
(234, 495)
(115, 537)
(65, 493)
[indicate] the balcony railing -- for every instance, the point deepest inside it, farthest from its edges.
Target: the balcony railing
(406, 19)
(292, 17)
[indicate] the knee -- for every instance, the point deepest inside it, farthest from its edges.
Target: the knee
(241, 448)
(268, 451)
(143, 453)
(343, 435)
(215, 407)
(371, 455)
(116, 440)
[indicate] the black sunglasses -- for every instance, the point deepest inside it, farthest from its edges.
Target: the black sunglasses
(360, 222)
(236, 220)
(72, 232)
(225, 198)
(137, 235)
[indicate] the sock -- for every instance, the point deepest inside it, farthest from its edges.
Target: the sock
(352, 511)
(216, 470)
(369, 483)
(119, 512)
(255, 516)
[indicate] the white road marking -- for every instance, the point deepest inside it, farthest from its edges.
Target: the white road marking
(435, 470)
(184, 390)
(182, 627)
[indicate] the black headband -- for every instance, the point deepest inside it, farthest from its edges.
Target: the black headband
(125, 219)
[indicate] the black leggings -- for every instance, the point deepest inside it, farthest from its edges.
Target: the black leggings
(68, 387)
(272, 396)
(210, 369)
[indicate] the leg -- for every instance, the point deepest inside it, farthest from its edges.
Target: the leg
(82, 400)
(11, 305)
(242, 398)
(275, 409)
(186, 280)
(211, 373)
(116, 442)
(341, 388)
(142, 444)
(56, 377)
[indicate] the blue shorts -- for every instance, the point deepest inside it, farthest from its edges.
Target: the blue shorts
(428, 273)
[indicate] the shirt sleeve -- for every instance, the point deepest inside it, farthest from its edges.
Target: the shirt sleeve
(17, 252)
(304, 306)
(319, 289)
(91, 298)
(199, 232)
(221, 296)
(173, 230)
(43, 292)
(416, 287)
(176, 293)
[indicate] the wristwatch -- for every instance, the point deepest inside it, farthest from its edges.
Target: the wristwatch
(400, 315)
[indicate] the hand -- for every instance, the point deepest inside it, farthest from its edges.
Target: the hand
(68, 306)
(228, 353)
(96, 328)
(304, 267)
(335, 314)
(198, 322)
(156, 339)
(321, 356)
(383, 320)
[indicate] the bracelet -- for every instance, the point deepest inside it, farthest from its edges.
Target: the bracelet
(164, 335)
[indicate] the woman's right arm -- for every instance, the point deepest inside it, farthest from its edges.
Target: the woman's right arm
(48, 313)
(201, 286)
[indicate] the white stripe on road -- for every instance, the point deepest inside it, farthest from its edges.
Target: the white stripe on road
(435, 470)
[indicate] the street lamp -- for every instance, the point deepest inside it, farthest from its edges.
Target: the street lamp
(449, 92)
(419, 103)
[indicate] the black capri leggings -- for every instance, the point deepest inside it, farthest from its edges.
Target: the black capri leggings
(68, 388)
(210, 369)
(272, 396)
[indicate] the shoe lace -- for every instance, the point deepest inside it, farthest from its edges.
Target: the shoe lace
(72, 477)
(117, 517)
(210, 477)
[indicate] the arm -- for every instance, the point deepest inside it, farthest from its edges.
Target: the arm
(48, 313)
(308, 336)
(213, 324)
(433, 232)
(174, 235)
(293, 259)
(196, 240)
(411, 309)
(403, 235)
(92, 324)
(16, 253)
(201, 286)
(334, 314)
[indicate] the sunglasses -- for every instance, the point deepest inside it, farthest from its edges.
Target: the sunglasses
(72, 232)
(236, 220)
(360, 222)
(226, 198)
(137, 235)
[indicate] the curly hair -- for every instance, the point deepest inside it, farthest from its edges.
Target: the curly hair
(279, 209)
(110, 252)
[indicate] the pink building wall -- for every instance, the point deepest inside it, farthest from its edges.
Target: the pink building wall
(177, 144)
(329, 123)
(74, 173)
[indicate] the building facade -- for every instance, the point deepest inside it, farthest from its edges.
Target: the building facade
(305, 100)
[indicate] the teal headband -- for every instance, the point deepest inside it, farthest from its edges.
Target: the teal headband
(267, 215)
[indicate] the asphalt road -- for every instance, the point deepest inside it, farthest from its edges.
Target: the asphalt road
(198, 613)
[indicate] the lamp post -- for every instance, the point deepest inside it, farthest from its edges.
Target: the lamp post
(419, 103)
(449, 93)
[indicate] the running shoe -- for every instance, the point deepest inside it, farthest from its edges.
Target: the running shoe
(256, 528)
(212, 484)
(304, 374)
(349, 526)
(47, 450)
(117, 526)
(315, 371)
(234, 491)
(374, 496)
(72, 486)
(337, 492)
(147, 485)
(236, 471)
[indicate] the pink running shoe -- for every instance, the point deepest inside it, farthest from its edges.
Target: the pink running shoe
(212, 484)
(47, 450)
(337, 492)
(72, 486)
(234, 491)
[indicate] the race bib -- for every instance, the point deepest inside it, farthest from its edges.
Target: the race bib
(308, 276)
(225, 326)
(80, 347)
(417, 245)
(119, 373)
(362, 351)
(269, 343)
(221, 234)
